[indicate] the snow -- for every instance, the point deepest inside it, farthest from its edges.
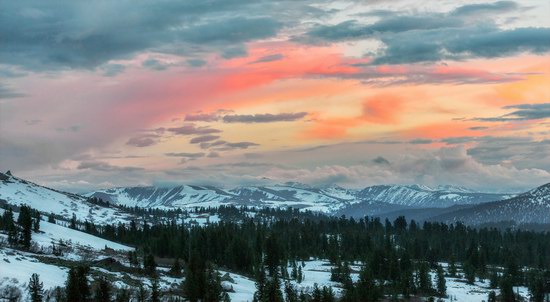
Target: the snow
(19, 192)
(52, 233)
(17, 268)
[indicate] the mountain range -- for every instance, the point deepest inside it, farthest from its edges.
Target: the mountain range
(445, 203)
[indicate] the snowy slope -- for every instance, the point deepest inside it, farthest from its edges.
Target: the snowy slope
(17, 191)
(330, 200)
(426, 197)
(530, 207)
(180, 196)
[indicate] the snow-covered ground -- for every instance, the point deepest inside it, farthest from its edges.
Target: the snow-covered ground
(17, 191)
(16, 269)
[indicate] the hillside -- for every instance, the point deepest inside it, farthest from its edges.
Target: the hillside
(530, 207)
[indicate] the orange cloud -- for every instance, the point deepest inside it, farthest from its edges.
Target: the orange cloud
(382, 109)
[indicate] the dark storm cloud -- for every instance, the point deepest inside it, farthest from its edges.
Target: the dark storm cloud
(190, 129)
(264, 118)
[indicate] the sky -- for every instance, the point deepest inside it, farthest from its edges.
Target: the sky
(97, 94)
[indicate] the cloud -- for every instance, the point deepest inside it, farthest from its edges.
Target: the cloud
(352, 29)
(8, 93)
(65, 34)
(206, 145)
(111, 70)
(382, 109)
(105, 167)
(478, 128)
(421, 141)
(203, 139)
(483, 8)
(268, 58)
(191, 129)
(33, 122)
(196, 62)
(232, 52)
(155, 64)
(522, 112)
(143, 140)
(429, 37)
(213, 154)
(264, 118)
(461, 43)
(381, 161)
(202, 117)
(241, 145)
(530, 111)
(186, 155)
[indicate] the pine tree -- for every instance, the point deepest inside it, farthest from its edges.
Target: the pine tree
(155, 291)
(103, 291)
(452, 266)
(76, 286)
(469, 273)
(493, 280)
(142, 294)
(175, 270)
(424, 280)
(213, 291)
(195, 279)
(261, 281)
(507, 290)
(25, 221)
(366, 288)
(273, 290)
(492, 296)
(290, 292)
(73, 222)
(36, 289)
(441, 284)
(123, 295)
(149, 264)
(51, 218)
(36, 222)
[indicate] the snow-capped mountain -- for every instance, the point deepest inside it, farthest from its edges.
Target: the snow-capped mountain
(155, 197)
(530, 207)
(330, 199)
(417, 196)
(17, 191)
